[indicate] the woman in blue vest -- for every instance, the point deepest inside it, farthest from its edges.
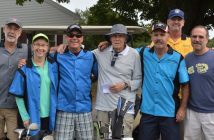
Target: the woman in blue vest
(35, 87)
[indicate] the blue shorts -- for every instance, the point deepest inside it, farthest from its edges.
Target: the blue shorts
(151, 127)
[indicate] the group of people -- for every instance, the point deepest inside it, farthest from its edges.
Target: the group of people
(53, 89)
(168, 65)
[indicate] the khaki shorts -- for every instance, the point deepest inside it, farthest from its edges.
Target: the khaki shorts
(198, 125)
(8, 117)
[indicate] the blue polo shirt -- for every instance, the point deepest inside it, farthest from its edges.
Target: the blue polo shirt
(162, 78)
(74, 94)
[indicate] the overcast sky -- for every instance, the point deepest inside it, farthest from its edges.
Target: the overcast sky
(79, 4)
(83, 4)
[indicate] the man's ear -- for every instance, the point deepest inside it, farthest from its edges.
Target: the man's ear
(167, 21)
(184, 22)
(4, 29)
(20, 32)
(31, 49)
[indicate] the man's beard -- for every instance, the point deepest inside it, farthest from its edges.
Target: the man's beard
(10, 39)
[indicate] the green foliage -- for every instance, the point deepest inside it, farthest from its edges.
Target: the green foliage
(211, 43)
(196, 12)
(141, 40)
(109, 12)
(105, 13)
(129, 12)
(83, 16)
(91, 41)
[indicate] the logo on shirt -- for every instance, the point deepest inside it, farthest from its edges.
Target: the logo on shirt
(201, 68)
(190, 70)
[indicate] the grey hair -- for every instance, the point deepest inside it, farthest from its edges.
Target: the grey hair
(201, 27)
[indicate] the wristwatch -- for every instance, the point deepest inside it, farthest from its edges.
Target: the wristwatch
(126, 85)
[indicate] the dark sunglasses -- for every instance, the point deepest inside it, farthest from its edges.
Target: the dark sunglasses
(75, 35)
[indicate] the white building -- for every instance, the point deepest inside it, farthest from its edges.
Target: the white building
(34, 14)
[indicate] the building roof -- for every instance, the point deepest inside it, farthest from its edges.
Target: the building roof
(93, 30)
(32, 13)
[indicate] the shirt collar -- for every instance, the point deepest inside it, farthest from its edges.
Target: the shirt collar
(29, 62)
(124, 52)
(45, 64)
(170, 50)
(18, 45)
(182, 38)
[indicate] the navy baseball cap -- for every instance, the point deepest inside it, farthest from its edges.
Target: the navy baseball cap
(74, 27)
(160, 26)
(176, 13)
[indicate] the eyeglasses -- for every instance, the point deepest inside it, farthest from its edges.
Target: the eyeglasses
(197, 36)
(40, 45)
(74, 35)
(114, 59)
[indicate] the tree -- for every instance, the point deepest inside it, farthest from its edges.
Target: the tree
(211, 43)
(104, 13)
(197, 12)
(21, 2)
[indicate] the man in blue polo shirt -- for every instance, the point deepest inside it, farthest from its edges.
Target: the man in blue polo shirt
(164, 71)
(74, 118)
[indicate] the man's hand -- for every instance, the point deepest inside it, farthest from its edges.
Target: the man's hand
(103, 45)
(117, 87)
(26, 123)
(21, 63)
(53, 49)
(180, 114)
(61, 48)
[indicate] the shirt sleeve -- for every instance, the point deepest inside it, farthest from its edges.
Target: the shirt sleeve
(22, 109)
(138, 49)
(95, 69)
(95, 63)
(17, 86)
(183, 75)
(136, 80)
